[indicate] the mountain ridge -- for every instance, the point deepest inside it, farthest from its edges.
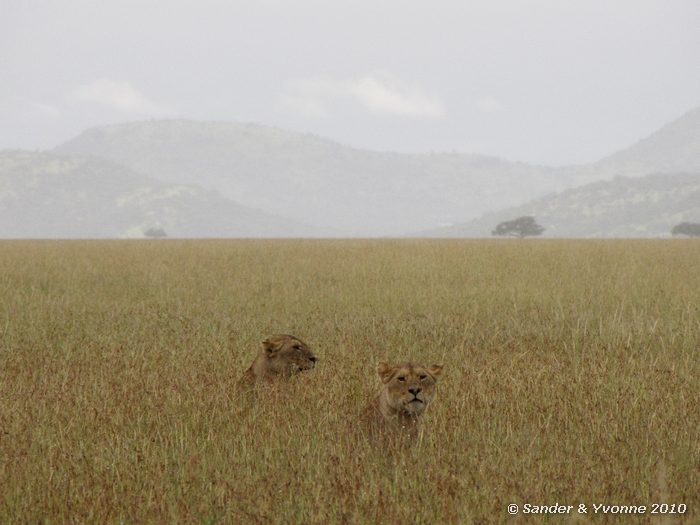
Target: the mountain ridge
(46, 195)
(360, 192)
(288, 179)
(672, 148)
(647, 206)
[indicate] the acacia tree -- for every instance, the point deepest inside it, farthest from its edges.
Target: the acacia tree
(520, 227)
(691, 229)
(155, 233)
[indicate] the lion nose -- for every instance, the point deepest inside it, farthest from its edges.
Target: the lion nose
(414, 390)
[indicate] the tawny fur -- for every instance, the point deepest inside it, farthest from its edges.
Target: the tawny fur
(408, 389)
(280, 357)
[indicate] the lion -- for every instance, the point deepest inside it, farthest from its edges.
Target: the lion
(281, 356)
(408, 389)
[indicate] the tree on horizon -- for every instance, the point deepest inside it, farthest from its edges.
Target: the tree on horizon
(521, 227)
(155, 233)
(691, 229)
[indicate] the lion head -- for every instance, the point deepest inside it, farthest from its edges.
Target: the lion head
(286, 355)
(408, 387)
(280, 356)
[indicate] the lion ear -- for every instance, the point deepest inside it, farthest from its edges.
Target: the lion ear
(385, 371)
(435, 370)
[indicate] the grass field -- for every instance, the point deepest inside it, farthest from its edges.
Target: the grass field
(572, 375)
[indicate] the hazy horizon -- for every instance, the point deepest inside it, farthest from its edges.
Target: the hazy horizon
(495, 155)
(536, 81)
(584, 114)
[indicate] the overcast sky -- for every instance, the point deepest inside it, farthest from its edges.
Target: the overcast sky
(545, 81)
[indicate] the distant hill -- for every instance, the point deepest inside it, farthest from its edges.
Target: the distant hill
(359, 192)
(674, 148)
(623, 207)
(46, 195)
(318, 181)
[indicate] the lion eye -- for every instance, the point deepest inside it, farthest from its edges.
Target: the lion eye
(402, 379)
(422, 377)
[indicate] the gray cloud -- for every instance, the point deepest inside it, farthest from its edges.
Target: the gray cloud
(118, 96)
(383, 95)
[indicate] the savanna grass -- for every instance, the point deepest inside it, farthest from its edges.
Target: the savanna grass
(572, 375)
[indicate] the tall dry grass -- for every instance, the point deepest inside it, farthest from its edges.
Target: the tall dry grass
(571, 375)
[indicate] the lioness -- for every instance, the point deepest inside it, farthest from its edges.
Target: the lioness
(280, 356)
(408, 390)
